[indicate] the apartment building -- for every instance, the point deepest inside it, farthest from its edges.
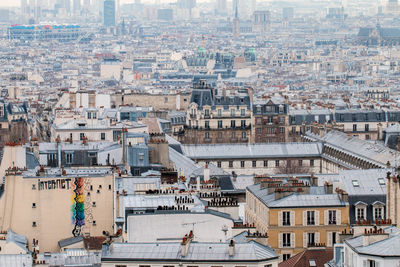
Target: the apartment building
(218, 116)
(295, 215)
(52, 204)
(270, 121)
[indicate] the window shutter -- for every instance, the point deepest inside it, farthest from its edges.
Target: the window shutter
(292, 240)
(304, 240)
(305, 217)
(338, 217)
(326, 217)
(329, 238)
(317, 237)
(280, 245)
(292, 219)
(317, 217)
(337, 237)
(279, 218)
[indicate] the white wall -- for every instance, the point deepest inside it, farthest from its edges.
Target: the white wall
(207, 227)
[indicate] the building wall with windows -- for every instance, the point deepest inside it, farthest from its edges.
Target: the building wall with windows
(293, 229)
(270, 122)
(218, 116)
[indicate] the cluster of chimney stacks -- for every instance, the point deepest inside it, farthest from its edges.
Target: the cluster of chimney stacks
(184, 199)
(222, 202)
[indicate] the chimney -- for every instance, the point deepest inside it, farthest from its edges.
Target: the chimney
(328, 188)
(314, 180)
(198, 183)
(232, 248)
(343, 196)
(257, 237)
(374, 235)
(186, 243)
(206, 173)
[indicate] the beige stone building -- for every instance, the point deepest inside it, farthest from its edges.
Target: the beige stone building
(52, 204)
(218, 116)
(296, 216)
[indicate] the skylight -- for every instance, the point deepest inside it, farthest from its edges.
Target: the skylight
(381, 181)
(355, 183)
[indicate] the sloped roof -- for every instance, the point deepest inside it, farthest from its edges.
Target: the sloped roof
(302, 259)
(251, 251)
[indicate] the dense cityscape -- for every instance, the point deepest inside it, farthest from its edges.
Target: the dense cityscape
(215, 133)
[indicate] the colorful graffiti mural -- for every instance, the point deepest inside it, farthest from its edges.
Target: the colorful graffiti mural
(78, 206)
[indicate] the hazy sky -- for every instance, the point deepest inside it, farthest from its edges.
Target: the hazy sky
(13, 3)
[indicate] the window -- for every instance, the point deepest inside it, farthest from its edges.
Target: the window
(265, 163)
(103, 136)
(165, 99)
(94, 223)
(367, 127)
(69, 158)
(259, 130)
(233, 124)
(300, 162)
(230, 164)
(243, 135)
(242, 112)
(311, 162)
(93, 204)
(360, 212)
(333, 238)
(286, 257)
(219, 135)
(378, 213)
(243, 123)
(286, 240)
(354, 127)
(254, 163)
(34, 224)
(371, 263)
(281, 130)
(332, 217)
(207, 124)
(109, 187)
(89, 115)
(312, 263)
(293, 129)
(310, 239)
(207, 135)
(286, 218)
(232, 113)
(33, 187)
(242, 164)
(81, 136)
(276, 163)
(310, 217)
(219, 112)
(381, 181)
(219, 124)
(207, 113)
(33, 205)
(219, 164)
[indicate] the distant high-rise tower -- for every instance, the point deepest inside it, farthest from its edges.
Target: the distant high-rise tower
(24, 6)
(287, 13)
(109, 13)
(221, 7)
(236, 22)
(77, 7)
